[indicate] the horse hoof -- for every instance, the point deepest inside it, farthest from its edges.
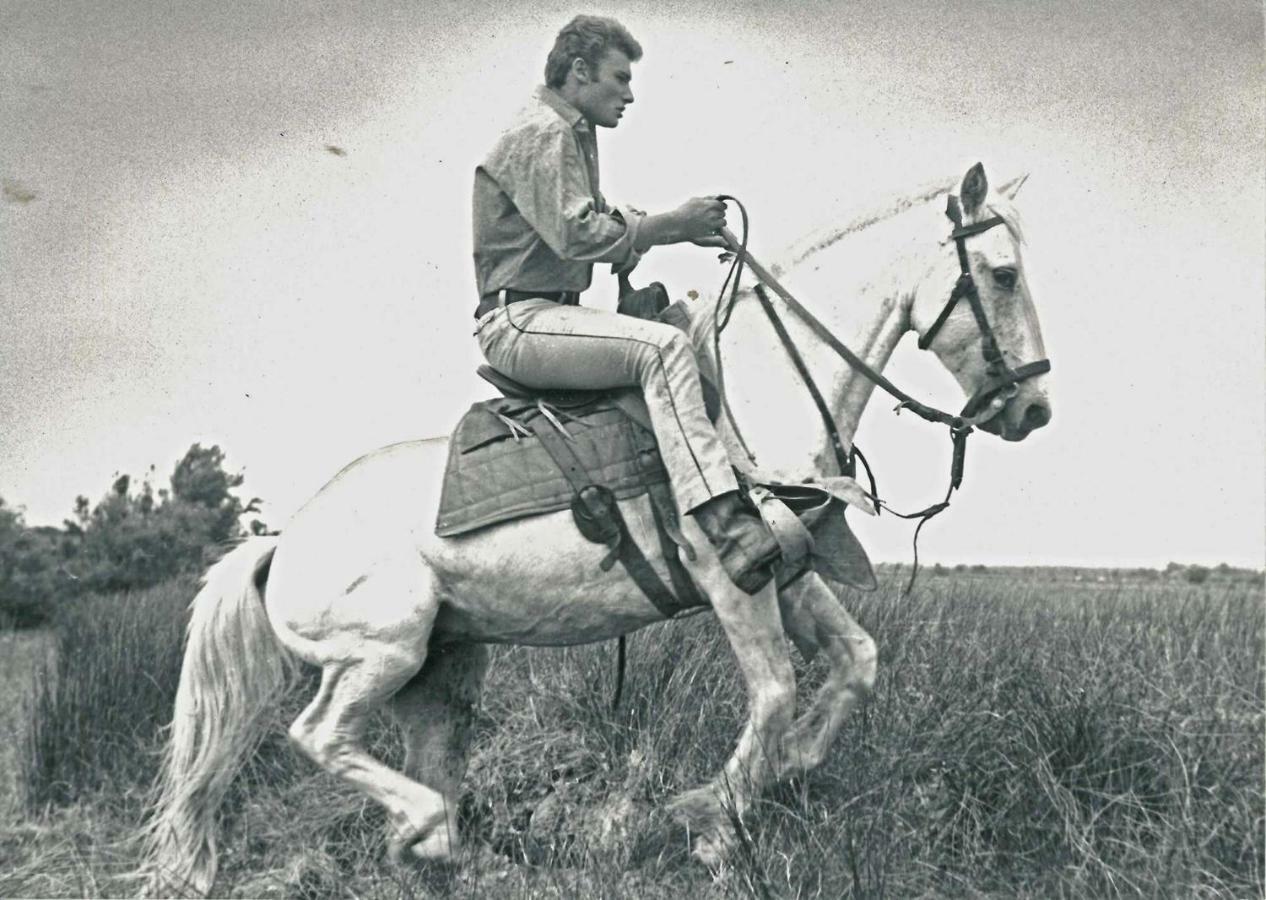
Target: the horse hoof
(436, 846)
(698, 809)
(712, 851)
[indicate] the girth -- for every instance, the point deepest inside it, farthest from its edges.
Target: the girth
(598, 518)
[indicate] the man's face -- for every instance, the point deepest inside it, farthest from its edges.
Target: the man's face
(603, 97)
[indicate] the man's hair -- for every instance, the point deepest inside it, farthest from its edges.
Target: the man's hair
(588, 37)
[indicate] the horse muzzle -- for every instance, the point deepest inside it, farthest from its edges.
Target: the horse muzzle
(1026, 409)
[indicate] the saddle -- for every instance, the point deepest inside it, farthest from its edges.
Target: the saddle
(534, 452)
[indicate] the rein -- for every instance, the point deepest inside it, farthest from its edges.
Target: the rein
(1002, 382)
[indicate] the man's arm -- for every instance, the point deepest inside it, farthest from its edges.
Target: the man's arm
(545, 178)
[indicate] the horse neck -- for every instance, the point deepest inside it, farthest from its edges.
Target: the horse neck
(860, 284)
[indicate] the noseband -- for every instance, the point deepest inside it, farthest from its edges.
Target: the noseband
(1000, 378)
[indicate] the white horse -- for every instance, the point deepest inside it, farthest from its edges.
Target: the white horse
(360, 586)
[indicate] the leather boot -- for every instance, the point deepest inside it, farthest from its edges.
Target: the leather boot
(742, 540)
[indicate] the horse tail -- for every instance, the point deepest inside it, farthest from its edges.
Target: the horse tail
(233, 671)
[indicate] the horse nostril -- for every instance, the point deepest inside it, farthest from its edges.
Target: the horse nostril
(1037, 415)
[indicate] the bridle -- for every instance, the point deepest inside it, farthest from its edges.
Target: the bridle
(1002, 381)
(1001, 378)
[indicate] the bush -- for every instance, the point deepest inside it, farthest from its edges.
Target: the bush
(32, 575)
(1196, 574)
(132, 539)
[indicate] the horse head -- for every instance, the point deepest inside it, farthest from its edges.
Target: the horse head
(991, 342)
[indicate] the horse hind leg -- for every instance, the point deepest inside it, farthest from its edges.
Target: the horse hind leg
(330, 729)
(817, 622)
(435, 712)
(364, 661)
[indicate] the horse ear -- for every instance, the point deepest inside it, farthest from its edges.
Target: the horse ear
(974, 188)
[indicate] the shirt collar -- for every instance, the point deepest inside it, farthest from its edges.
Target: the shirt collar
(555, 101)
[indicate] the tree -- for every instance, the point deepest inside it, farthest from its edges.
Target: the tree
(199, 480)
(134, 537)
(32, 570)
(137, 539)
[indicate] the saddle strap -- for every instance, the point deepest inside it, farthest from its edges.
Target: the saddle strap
(664, 510)
(623, 547)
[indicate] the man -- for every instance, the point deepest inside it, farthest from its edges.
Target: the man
(540, 225)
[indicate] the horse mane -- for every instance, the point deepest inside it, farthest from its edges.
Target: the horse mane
(819, 241)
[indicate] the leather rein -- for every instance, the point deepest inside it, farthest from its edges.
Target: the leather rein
(1002, 382)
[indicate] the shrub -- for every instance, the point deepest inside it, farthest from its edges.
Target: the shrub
(1196, 574)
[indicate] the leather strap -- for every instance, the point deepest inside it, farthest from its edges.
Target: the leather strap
(842, 457)
(623, 548)
(665, 512)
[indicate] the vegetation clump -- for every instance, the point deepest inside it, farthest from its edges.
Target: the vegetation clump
(130, 540)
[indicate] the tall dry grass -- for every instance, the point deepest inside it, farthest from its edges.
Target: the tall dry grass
(1025, 739)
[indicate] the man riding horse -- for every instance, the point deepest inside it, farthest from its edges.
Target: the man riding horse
(540, 224)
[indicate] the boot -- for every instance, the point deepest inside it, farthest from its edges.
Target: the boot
(742, 540)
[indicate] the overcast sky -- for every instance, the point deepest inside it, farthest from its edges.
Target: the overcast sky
(248, 224)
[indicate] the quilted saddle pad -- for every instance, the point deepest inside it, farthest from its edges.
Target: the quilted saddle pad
(497, 469)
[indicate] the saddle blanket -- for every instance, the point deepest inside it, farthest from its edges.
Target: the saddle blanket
(497, 469)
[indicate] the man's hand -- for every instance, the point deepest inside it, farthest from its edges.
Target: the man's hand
(700, 217)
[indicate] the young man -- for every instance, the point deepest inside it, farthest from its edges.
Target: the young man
(540, 225)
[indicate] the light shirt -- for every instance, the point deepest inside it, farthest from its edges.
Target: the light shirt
(540, 220)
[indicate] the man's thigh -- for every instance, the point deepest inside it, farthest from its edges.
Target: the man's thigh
(543, 344)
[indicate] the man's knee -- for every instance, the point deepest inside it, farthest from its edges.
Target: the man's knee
(673, 352)
(673, 342)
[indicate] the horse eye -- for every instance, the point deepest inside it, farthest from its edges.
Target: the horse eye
(1004, 277)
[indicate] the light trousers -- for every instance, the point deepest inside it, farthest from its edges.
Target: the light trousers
(543, 344)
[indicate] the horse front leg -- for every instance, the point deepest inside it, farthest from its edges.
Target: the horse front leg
(754, 628)
(817, 622)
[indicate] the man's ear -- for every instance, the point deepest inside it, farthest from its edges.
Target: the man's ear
(580, 69)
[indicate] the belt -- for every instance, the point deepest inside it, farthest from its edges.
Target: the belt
(491, 301)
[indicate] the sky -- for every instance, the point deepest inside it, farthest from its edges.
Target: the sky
(248, 224)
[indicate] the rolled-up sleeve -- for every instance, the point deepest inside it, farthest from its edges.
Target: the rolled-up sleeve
(545, 178)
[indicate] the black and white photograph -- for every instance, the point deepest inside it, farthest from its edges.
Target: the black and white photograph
(530, 450)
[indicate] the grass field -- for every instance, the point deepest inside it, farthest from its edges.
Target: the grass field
(1026, 738)
(22, 655)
